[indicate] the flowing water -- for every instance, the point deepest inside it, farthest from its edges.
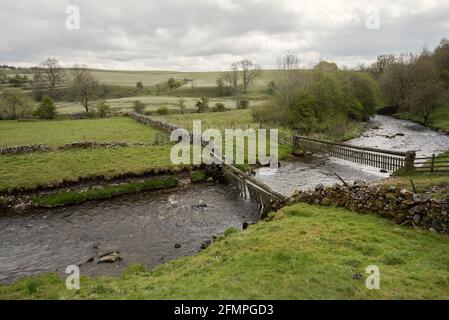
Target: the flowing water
(387, 133)
(144, 227)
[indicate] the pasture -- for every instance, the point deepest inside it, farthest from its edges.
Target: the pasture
(52, 168)
(152, 103)
(58, 133)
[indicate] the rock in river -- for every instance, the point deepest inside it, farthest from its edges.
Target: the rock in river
(110, 257)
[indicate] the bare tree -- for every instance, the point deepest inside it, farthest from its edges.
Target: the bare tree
(85, 86)
(397, 79)
(292, 79)
(427, 92)
(250, 72)
(49, 75)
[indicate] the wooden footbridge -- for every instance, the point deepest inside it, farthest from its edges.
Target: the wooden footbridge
(379, 158)
(248, 186)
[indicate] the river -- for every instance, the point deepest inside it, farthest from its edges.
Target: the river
(386, 133)
(148, 227)
(144, 227)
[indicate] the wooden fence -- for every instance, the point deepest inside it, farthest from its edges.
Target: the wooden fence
(378, 158)
(432, 164)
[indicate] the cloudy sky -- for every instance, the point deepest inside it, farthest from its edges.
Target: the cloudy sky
(190, 35)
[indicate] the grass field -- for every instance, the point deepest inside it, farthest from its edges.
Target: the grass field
(150, 78)
(152, 103)
(57, 133)
(306, 252)
(31, 170)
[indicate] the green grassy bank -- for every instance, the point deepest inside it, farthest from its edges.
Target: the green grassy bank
(66, 198)
(305, 252)
(52, 168)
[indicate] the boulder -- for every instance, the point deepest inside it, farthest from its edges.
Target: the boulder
(110, 257)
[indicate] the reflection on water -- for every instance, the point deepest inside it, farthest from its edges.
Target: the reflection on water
(144, 228)
(390, 133)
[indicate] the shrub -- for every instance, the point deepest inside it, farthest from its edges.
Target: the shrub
(163, 111)
(138, 107)
(203, 105)
(103, 110)
(46, 109)
(220, 107)
(242, 104)
(139, 85)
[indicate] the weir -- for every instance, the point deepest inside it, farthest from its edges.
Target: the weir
(248, 187)
(378, 158)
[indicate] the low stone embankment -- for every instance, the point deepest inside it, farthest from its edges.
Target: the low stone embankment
(22, 149)
(400, 205)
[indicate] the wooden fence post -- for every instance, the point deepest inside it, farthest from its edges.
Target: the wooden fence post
(432, 169)
(410, 160)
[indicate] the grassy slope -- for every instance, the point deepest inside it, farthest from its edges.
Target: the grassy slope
(57, 133)
(439, 119)
(30, 170)
(306, 252)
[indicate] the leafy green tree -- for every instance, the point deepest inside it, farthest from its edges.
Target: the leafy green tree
(15, 104)
(367, 92)
(46, 109)
(326, 66)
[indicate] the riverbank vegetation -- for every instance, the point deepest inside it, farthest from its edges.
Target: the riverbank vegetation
(107, 192)
(305, 252)
(416, 85)
(322, 101)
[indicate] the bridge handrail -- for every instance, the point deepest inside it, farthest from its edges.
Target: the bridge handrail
(376, 150)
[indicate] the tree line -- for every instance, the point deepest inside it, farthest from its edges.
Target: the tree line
(415, 83)
(322, 99)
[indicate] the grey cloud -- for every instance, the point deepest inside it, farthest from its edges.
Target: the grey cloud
(202, 34)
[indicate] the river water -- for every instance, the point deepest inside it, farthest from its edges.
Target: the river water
(386, 133)
(146, 227)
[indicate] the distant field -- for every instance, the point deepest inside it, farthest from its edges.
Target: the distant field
(56, 133)
(149, 78)
(152, 103)
(31, 170)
